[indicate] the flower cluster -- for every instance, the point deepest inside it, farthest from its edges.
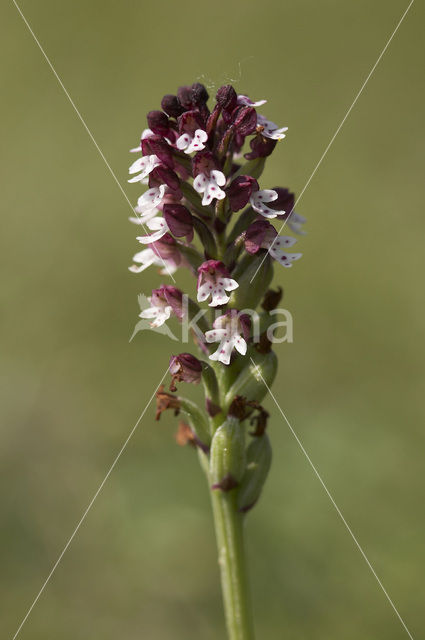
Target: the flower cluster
(204, 210)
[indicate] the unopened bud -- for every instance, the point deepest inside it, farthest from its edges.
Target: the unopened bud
(227, 98)
(227, 462)
(158, 122)
(179, 220)
(172, 106)
(258, 461)
(246, 121)
(185, 368)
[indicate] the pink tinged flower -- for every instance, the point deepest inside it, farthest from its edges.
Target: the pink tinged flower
(150, 200)
(214, 280)
(159, 311)
(210, 186)
(270, 129)
(190, 143)
(259, 202)
(144, 165)
(231, 332)
(147, 258)
(244, 100)
(164, 301)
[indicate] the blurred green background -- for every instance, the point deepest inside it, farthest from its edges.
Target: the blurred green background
(143, 564)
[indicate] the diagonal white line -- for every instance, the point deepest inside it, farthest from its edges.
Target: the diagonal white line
(84, 123)
(347, 526)
(83, 517)
(338, 129)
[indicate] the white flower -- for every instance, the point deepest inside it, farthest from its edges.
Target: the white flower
(277, 249)
(258, 202)
(270, 129)
(210, 186)
(158, 226)
(215, 285)
(192, 143)
(247, 102)
(227, 331)
(151, 199)
(148, 257)
(144, 164)
(159, 310)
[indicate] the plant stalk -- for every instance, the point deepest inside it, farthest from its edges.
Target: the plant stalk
(228, 524)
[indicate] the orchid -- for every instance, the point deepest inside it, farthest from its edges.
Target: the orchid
(206, 212)
(229, 330)
(214, 280)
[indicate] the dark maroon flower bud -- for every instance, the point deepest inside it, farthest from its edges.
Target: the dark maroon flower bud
(156, 145)
(245, 121)
(184, 95)
(257, 233)
(158, 122)
(261, 147)
(162, 175)
(285, 201)
(185, 368)
(189, 122)
(227, 98)
(240, 191)
(203, 162)
(179, 220)
(272, 298)
(199, 95)
(171, 105)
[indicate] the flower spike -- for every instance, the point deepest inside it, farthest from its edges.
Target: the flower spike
(202, 163)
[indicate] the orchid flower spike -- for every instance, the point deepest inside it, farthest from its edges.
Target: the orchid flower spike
(204, 212)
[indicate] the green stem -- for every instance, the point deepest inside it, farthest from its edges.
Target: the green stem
(231, 559)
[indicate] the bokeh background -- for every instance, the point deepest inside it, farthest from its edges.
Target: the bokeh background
(143, 563)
